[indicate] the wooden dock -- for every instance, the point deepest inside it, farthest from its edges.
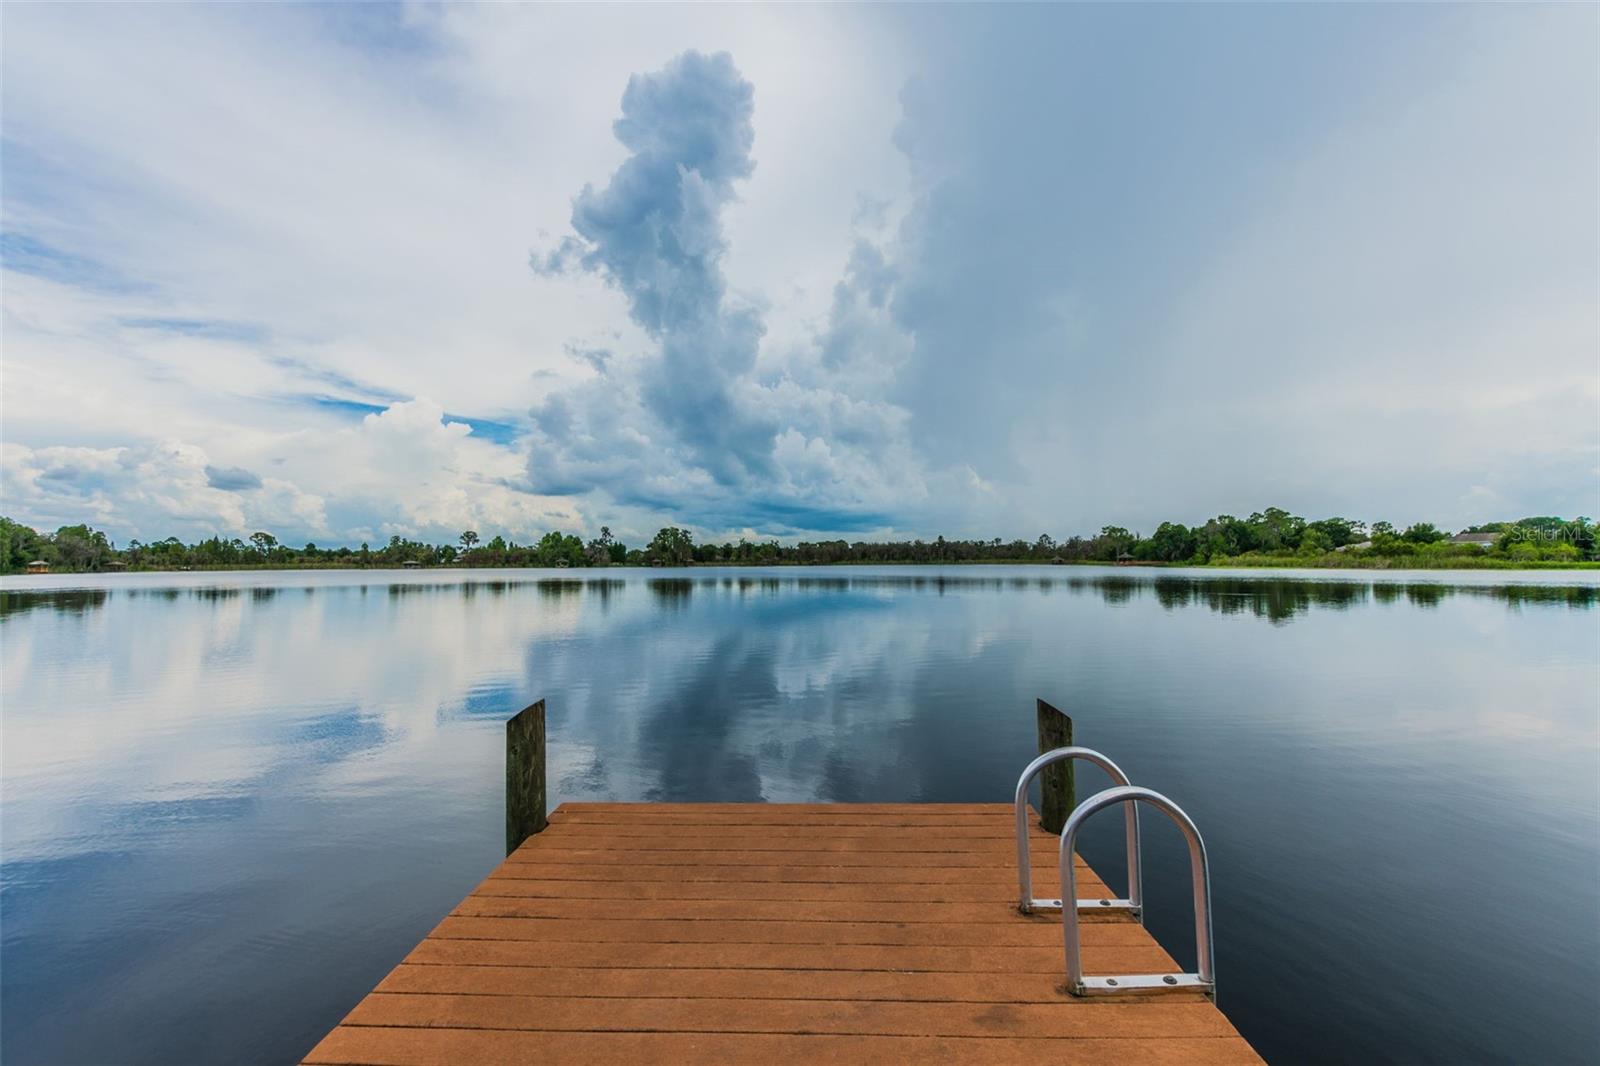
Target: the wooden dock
(772, 933)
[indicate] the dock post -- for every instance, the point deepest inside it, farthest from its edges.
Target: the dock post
(1057, 788)
(525, 813)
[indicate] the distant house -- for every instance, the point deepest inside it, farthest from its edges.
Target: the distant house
(1124, 559)
(1057, 561)
(1482, 540)
(562, 563)
(410, 564)
(114, 565)
(1353, 547)
(38, 566)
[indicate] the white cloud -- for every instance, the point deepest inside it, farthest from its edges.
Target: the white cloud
(161, 486)
(1341, 260)
(329, 218)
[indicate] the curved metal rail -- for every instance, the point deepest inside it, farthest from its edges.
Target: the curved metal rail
(1025, 900)
(1199, 870)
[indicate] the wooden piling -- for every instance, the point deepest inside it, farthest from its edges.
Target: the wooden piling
(525, 800)
(1057, 787)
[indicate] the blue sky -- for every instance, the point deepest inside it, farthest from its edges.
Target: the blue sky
(345, 272)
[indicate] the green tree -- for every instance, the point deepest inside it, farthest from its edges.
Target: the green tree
(672, 547)
(556, 549)
(1225, 535)
(79, 548)
(19, 546)
(468, 539)
(1583, 535)
(1338, 531)
(1172, 542)
(1276, 529)
(1315, 542)
(1113, 542)
(599, 551)
(1423, 533)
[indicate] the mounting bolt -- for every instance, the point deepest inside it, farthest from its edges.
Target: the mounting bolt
(1105, 903)
(1111, 980)
(1169, 979)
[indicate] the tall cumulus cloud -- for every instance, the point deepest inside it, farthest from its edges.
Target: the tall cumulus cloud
(695, 427)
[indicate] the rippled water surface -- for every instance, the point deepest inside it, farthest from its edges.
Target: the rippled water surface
(232, 801)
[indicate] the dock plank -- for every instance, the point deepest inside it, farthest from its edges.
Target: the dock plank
(752, 933)
(620, 888)
(490, 905)
(1098, 957)
(840, 1017)
(403, 1046)
(1044, 877)
(906, 986)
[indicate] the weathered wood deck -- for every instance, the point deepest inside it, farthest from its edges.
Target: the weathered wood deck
(771, 933)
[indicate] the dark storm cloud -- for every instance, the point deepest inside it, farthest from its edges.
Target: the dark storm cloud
(655, 232)
(231, 478)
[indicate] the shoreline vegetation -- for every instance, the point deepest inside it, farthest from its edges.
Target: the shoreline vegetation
(1273, 538)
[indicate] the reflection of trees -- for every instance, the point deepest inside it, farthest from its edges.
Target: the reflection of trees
(1277, 601)
(604, 589)
(398, 589)
(1117, 590)
(62, 601)
(1517, 595)
(671, 591)
(1426, 595)
(1283, 600)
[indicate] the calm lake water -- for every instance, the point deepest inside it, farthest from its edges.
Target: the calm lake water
(233, 801)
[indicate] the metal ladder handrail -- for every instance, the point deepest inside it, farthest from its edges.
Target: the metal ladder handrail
(1025, 900)
(1199, 870)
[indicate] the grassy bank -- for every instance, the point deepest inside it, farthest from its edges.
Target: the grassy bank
(1357, 561)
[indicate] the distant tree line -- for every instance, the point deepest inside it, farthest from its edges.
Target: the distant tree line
(1269, 537)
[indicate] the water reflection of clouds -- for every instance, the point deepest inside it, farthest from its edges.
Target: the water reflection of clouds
(163, 700)
(786, 684)
(758, 699)
(244, 773)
